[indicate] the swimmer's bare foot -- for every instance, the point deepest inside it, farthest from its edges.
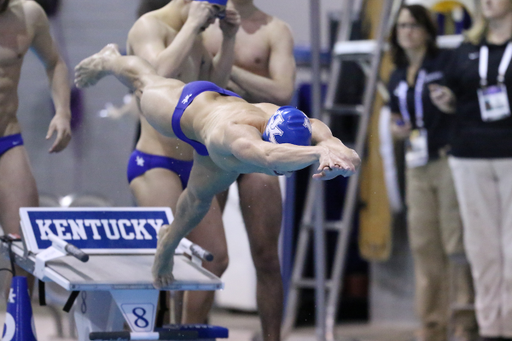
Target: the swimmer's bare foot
(164, 260)
(90, 70)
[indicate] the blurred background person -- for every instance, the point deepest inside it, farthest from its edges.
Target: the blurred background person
(263, 71)
(433, 219)
(479, 81)
(24, 26)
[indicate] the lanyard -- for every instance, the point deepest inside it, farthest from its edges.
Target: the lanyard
(483, 64)
(403, 87)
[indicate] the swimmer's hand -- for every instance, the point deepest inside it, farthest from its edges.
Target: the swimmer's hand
(201, 14)
(59, 124)
(162, 273)
(164, 260)
(230, 24)
(128, 108)
(335, 160)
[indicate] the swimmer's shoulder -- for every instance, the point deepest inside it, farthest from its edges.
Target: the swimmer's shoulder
(268, 108)
(150, 25)
(34, 13)
(278, 27)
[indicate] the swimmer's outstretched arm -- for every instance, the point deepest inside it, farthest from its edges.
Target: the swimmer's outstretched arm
(132, 71)
(334, 158)
(277, 158)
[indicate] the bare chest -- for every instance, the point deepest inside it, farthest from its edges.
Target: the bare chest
(15, 40)
(252, 52)
(252, 49)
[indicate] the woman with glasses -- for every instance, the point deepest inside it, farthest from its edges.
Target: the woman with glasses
(434, 224)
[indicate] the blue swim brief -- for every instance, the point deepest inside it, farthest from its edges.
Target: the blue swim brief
(140, 163)
(191, 91)
(10, 141)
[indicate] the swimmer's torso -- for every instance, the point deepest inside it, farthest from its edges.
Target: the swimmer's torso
(16, 35)
(206, 119)
(194, 67)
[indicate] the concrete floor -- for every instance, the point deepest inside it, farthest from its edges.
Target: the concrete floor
(242, 327)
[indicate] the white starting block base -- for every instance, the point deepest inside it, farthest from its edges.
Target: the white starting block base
(113, 288)
(96, 311)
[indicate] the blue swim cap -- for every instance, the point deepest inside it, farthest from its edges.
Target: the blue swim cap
(216, 2)
(288, 125)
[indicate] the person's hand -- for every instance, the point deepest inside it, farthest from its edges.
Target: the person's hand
(60, 125)
(128, 108)
(230, 23)
(201, 15)
(164, 260)
(336, 159)
(442, 97)
(162, 272)
(400, 129)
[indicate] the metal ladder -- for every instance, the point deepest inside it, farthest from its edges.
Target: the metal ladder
(313, 217)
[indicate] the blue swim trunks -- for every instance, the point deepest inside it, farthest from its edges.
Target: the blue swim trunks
(140, 163)
(10, 141)
(190, 91)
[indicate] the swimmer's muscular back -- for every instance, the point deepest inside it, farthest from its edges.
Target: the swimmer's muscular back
(19, 27)
(149, 37)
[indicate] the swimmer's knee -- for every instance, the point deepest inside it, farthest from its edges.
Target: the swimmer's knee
(219, 264)
(223, 263)
(266, 261)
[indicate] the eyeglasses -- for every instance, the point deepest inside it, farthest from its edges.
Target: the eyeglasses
(412, 26)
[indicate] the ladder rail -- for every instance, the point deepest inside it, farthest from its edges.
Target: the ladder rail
(320, 262)
(300, 262)
(343, 34)
(351, 193)
(319, 235)
(313, 215)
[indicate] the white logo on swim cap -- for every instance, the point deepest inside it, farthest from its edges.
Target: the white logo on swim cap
(307, 124)
(272, 128)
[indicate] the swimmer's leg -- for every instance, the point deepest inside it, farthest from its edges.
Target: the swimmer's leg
(17, 189)
(261, 206)
(210, 235)
(132, 71)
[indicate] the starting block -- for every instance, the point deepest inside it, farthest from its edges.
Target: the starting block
(104, 256)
